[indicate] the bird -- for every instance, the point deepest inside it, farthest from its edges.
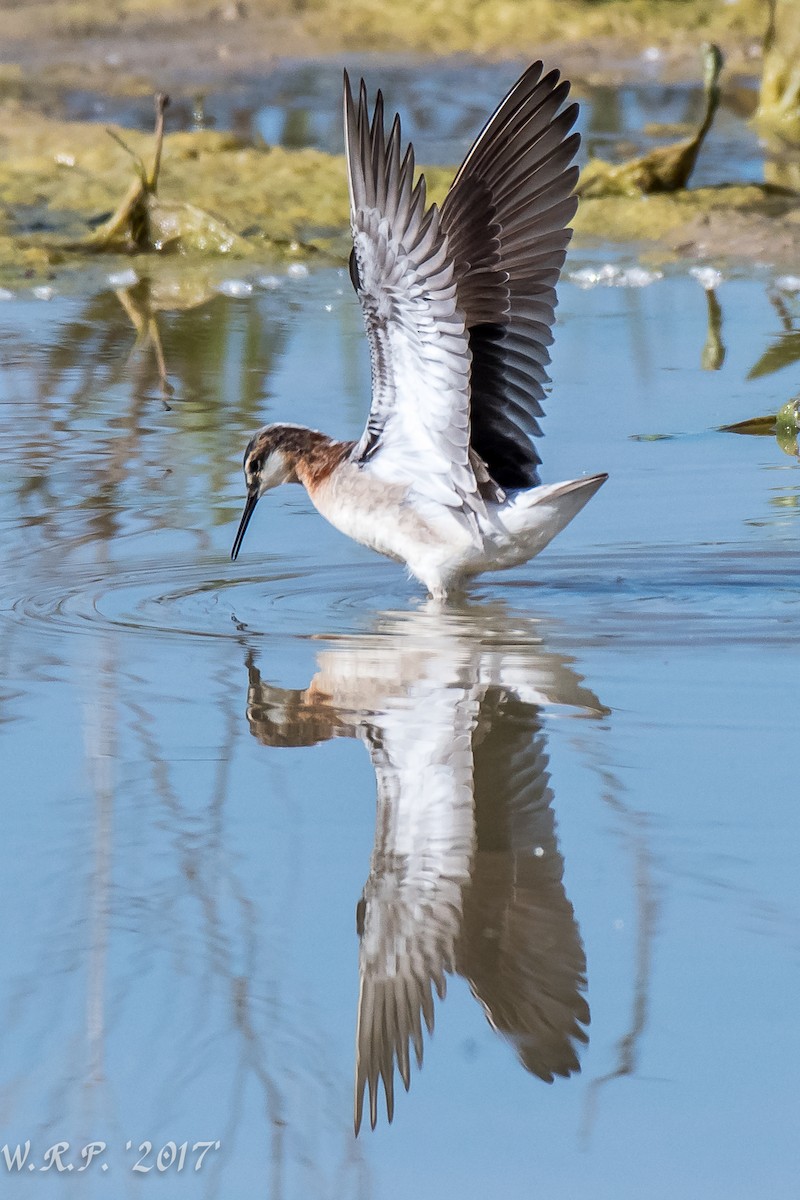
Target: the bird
(458, 304)
(466, 876)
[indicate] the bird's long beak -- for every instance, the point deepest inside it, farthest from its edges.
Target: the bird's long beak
(249, 508)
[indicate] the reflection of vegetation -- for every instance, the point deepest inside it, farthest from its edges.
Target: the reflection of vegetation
(146, 298)
(147, 335)
(714, 349)
(666, 168)
(158, 976)
(785, 351)
(786, 500)
(94, 400)
(637, 838)
(782, 353)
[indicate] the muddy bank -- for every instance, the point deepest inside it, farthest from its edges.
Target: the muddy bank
(735, 224)
(59, 180)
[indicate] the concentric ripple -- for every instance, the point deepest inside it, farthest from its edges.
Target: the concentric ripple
(202, 598)
(666, 595)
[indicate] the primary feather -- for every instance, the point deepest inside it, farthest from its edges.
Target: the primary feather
(418, 427)
(458, 304)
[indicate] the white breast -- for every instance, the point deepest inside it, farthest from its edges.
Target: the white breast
(427, 537)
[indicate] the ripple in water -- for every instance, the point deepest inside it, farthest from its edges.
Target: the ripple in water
(656, 595)
(196, 599)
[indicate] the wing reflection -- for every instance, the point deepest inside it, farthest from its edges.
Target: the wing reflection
(466, 875)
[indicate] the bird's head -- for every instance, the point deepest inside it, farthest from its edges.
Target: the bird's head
(269, 460)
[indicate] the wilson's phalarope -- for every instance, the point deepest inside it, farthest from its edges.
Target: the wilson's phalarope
(466, 877)
(458, 305)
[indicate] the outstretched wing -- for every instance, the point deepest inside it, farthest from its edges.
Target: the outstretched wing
(418, 428)
(505, 219)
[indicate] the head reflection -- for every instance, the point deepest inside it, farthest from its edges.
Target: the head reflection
(466, 875)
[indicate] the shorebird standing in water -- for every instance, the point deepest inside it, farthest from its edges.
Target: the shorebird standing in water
(458, 306)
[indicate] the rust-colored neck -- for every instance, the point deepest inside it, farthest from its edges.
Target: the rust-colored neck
(317, 457)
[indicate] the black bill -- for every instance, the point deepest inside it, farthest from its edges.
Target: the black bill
(249, 509)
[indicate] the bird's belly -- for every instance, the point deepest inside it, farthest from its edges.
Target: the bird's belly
(385, 518)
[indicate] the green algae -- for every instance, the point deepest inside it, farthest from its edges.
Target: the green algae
(143, 221)
(63, 186)
(219, 196)
(654, 217)
(665, 168)
(779, 99)
(494, 26)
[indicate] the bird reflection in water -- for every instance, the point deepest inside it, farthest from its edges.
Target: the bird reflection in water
(466, 875)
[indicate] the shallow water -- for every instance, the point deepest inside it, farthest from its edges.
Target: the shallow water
(191, 750)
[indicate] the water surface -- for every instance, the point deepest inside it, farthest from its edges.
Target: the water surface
(572, 797)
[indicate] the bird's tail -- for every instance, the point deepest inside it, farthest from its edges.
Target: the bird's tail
(534, 516)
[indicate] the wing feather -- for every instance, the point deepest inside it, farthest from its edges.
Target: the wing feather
(418, 429)
(459, 303)
(506, 220)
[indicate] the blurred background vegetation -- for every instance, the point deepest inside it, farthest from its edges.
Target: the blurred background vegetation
(752, 33)
(431, 26)
(55, 169)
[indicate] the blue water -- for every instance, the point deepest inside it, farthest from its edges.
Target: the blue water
(296, 104)
(188, 831)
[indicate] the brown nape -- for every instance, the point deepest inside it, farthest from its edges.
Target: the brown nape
(313, 455)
